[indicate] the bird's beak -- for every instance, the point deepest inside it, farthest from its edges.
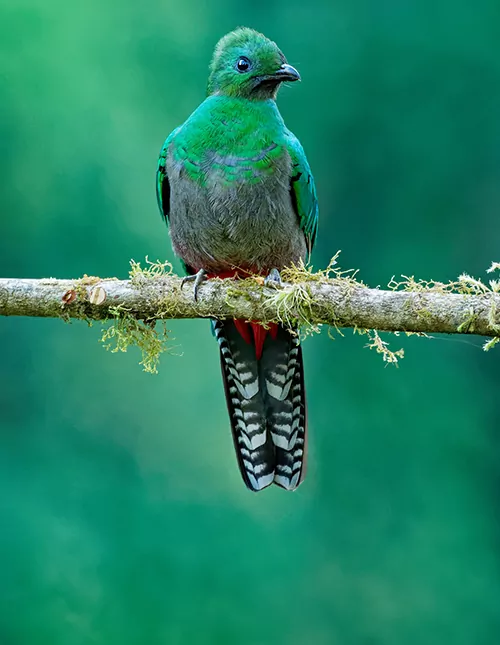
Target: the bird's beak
(287, 73)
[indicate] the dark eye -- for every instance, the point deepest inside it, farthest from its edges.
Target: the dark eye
(243, 64)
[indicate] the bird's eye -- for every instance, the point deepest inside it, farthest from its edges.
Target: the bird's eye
(243, 64)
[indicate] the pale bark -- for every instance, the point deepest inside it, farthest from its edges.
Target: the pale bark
(327, 302)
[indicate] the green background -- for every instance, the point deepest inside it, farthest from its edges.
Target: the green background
(123, 518)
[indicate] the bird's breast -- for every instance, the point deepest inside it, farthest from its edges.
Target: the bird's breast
(233, 208)
(247, 166)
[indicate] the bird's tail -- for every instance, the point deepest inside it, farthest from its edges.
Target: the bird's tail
(264, 384)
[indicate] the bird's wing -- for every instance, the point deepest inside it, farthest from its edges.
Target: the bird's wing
(303, 190)
(162, 183)
(163, 186)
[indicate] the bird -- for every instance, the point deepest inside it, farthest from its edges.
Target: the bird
(237, 193)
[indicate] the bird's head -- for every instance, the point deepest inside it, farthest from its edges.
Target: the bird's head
(246, 64)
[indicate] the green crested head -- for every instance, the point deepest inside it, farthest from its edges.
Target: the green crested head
(246, 64)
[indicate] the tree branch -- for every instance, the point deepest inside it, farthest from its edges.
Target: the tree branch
(339, 302)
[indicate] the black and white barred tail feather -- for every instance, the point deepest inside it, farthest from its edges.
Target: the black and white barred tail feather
(267, 406)
(282, 372)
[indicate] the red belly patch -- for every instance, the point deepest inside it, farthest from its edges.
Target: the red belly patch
(249, 331)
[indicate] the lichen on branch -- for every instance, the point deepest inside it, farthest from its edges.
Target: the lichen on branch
(307, 301)
(151, 337)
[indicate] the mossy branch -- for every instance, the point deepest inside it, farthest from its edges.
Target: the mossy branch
(331, 297)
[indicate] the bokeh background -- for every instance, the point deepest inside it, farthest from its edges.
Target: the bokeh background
(123, 518)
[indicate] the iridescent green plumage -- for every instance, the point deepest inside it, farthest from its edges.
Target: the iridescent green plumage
(242, 110)
(235, 188)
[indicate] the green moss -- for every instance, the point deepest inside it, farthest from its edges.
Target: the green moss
(467, 327)
(90, 280)
(149, 336)
(295, 304)
(82, 284)
(495, 266)
(381, 346)
(466, 285)
(243, 288)
(291, 307)
(126, 331)
(423, 313)
(152, 271)
(489, 344)
(301, 272)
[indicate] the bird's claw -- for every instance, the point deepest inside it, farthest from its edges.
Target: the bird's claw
(197, 278)
(273, 280)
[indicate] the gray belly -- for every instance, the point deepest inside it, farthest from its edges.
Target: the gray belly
(219, 224)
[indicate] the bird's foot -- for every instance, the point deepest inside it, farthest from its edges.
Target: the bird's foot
(197, 278)
(273, 280)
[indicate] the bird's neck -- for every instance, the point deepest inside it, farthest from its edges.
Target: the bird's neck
(241, 119)
(242, 103)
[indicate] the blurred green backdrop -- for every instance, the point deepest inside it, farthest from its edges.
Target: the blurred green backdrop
(123, 517)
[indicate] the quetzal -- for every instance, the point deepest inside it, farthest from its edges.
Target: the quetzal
(236, 190)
